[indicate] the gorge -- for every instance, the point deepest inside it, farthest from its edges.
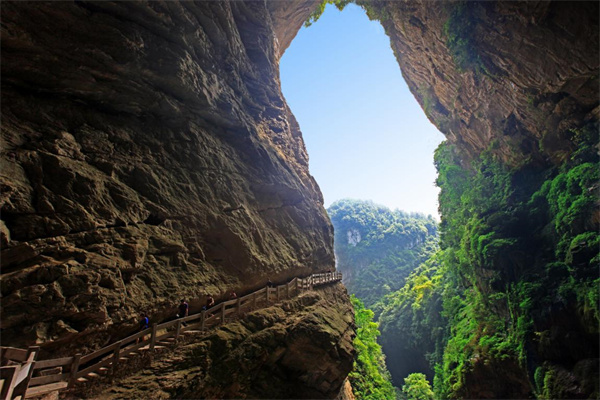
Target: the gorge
(148, 155)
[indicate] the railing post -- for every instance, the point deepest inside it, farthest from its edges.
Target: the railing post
(74, 370)
(178, 330)
(254, 300)
(278, 287)
(287, 288)
(116, 357)
(238, 307)
(223, 313)
(153, 337)
(8, 374)
(21, 388)
(202, 319)
(267, 291)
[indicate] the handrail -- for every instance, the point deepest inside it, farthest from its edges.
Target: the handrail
(111, 354)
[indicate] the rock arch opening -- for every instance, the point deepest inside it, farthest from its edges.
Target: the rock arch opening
(366, 135)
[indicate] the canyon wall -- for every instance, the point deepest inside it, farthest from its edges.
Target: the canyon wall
(515, 76)
(513, 308)
(148, 155)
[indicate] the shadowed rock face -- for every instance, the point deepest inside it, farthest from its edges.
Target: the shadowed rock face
(148, 155)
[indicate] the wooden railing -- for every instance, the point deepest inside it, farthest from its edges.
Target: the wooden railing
(30, 378)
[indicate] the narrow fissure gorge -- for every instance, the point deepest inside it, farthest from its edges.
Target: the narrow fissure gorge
(119, 112)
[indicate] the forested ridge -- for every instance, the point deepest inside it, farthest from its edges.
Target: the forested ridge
(377, 248)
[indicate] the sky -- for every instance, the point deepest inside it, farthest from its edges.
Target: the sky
(367, 137)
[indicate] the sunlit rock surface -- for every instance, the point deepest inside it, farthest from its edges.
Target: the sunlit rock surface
(524, 75)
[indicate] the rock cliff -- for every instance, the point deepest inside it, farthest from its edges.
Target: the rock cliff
(515, 76)
(147, 155)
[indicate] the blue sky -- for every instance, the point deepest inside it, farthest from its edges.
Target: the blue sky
(367, 137)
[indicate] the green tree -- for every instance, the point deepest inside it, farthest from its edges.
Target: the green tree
(369, 378)
(417, 387)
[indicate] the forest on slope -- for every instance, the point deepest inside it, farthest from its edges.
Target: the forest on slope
(512, 292)
(512, 296)
(376, 250)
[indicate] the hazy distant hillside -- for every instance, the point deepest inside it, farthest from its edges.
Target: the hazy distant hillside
(377, 248)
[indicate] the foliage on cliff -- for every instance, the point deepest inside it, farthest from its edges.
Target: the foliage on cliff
(417, 387)
(377, 248)
(511, 300)
(369, 378)
(373, 9)
(411, 323)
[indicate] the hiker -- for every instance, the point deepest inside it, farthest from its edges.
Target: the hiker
(144, 324)
(184, 310)
(209, 302)
(270, 284)
(232, 295)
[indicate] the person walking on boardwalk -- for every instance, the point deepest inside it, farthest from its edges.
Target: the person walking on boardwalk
(184, 310)
(209, 302)
(144, 324)
(232, 295)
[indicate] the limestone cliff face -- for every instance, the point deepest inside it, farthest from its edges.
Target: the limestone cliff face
(513, 77)
(147, 155)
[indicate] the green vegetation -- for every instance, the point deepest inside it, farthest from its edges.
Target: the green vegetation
(377, 248)
(369, 378)
(374, 11)
(459, 31)
(411, 322)
(417, 387)
(517, 248)
(316, 14)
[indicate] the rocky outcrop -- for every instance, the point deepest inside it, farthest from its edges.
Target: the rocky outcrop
(147, 155)
(301, 348)
(512, 77)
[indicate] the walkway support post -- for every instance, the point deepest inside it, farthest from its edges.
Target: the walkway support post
(153, 337)
(74, 370)
(22, 383)
(116, 355)
(267, 292)
(202, 319)
(178, 330)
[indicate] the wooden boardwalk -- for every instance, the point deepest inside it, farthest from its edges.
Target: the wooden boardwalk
(21, 376)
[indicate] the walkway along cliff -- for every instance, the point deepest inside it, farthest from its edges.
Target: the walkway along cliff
(26, 376)
(148, 155)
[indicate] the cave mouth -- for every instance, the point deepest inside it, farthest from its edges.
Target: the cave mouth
(365, 133)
